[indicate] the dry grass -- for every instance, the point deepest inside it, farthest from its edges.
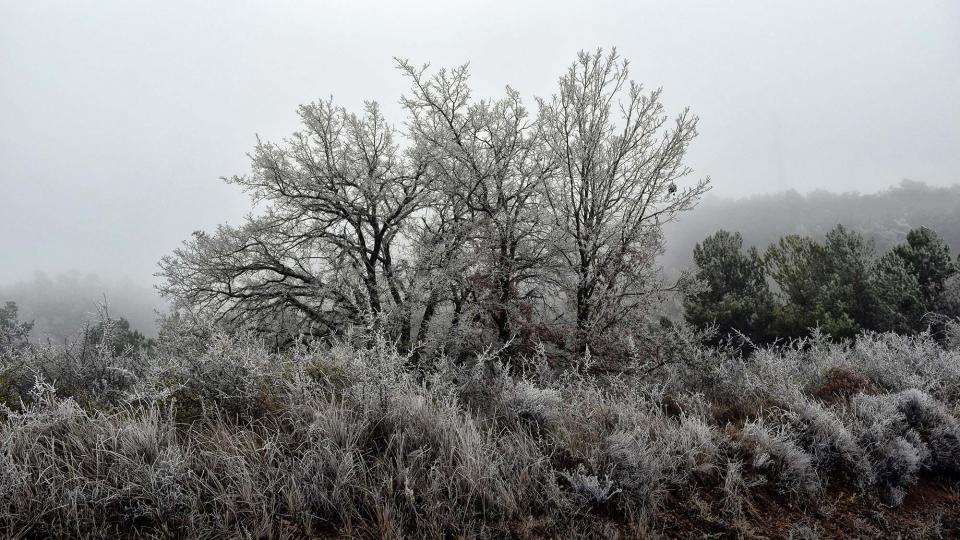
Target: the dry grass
(215, 436)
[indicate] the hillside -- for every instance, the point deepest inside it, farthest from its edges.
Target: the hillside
(884, 217)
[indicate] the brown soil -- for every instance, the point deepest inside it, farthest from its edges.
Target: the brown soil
(930, 510)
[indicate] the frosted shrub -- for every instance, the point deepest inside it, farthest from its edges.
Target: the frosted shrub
(952, 334)
(13, 481)
(783, 373)
(46, 413)
(828, 441)
(649, 453)
(163, 482)
(323, 476)
(537, 406)
(412, 439)
(653, 453)
(694, 443)
(321, 440)
(899, 363)
(900, 462)
(686, 446)
(774, 448)
(85, 371)
(933, 423)
(488, 386)
(897, 450)
(236, 372)
(590, 489)
(638, 468)
(804, 531)
(83, 469)
(734, 489)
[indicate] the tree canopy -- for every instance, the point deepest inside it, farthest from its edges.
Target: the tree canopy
(480, 218)
(839, 285)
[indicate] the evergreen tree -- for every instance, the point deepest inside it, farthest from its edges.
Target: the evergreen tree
(798, 266)
(733, 293)
(845, 302)
(14, 333)
(927, 257)
(898, 300)
(824, 285)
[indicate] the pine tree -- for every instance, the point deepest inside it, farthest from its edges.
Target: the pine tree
(733, 292)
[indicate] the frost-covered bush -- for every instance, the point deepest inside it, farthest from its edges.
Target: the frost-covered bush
(896, 363)
(89, 372)
(638, 468)
(907, 433)
(236, 372)
(938, 427)
(799, 370)
(652, 453)
(735, 489)
(218, 435)
(897, 450)
(592, 490)
(775, 449)
(487, 385)
(831, 444)
(951, 330)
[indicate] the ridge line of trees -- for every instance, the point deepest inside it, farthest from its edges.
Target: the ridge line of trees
(841, 286)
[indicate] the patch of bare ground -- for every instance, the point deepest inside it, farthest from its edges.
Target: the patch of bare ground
(930, 510)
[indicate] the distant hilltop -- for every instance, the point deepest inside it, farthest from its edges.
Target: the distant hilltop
(884, 217)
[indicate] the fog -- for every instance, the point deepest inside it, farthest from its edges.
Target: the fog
(117, 118)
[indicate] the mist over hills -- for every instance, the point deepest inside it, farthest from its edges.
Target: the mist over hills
(62, 304)
(883, 217)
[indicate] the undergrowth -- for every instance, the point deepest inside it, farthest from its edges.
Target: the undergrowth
(214, 435)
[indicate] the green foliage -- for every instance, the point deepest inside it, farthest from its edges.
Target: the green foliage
(798, 266)
(884, 217)
(118, 336)
(897, 296)
(844, 302)
(839, 286)
(14, 333)
(822, 285)
(733, 293)
(927, 257)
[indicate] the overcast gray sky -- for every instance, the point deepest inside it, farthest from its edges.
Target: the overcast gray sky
(118, 117)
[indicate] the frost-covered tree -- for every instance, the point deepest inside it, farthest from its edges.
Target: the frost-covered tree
(618, 159)
(490, 166)
(498, 219)
(328, 250)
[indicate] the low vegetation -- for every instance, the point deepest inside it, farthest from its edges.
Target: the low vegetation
(214, 434)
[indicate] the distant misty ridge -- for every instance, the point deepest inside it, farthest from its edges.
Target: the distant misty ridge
(61, 304)
(884, 217)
